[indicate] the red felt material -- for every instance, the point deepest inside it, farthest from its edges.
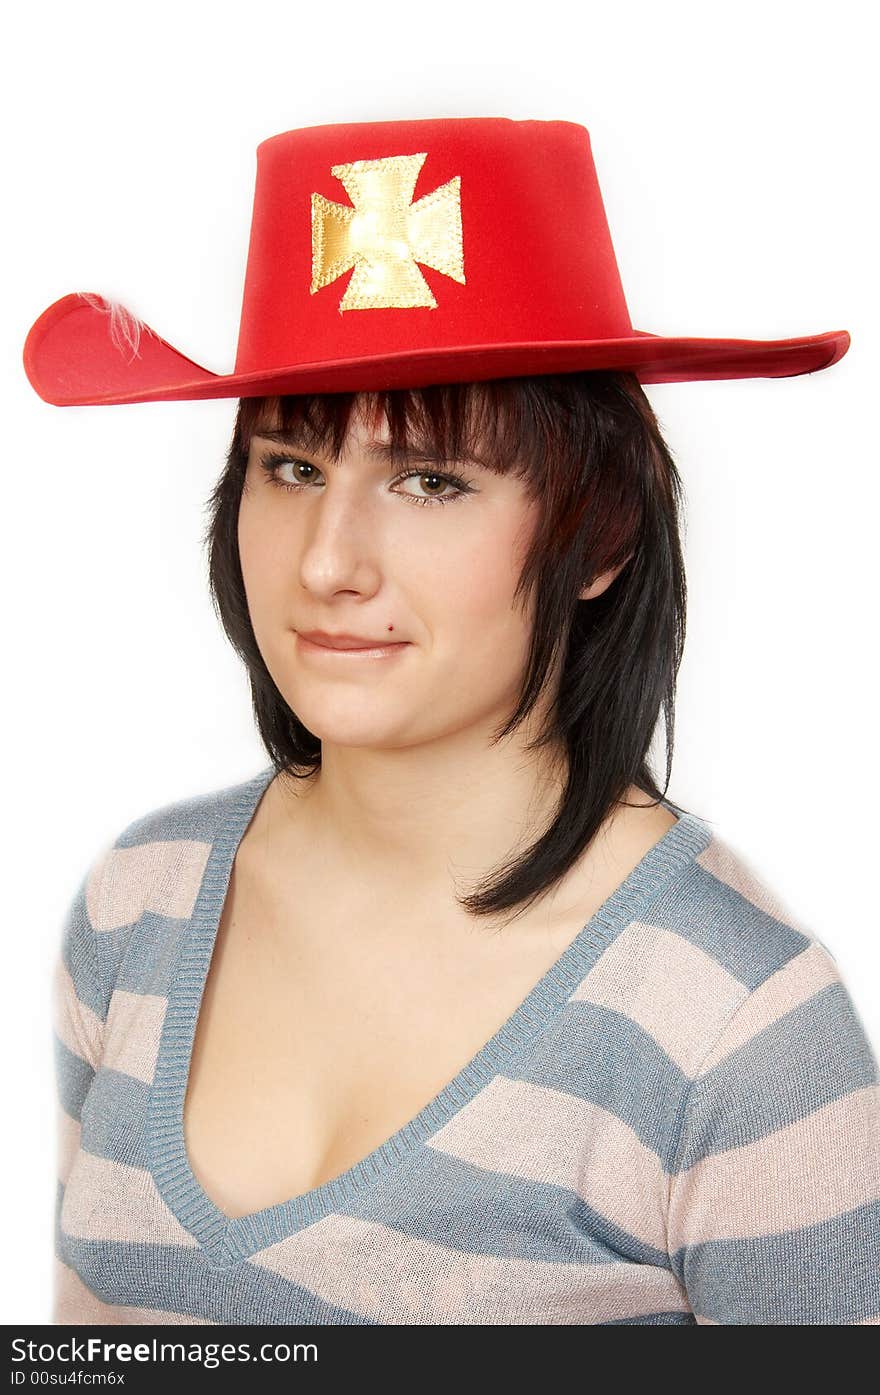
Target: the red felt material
(541, 291)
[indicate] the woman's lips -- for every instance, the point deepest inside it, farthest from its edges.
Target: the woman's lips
(380, 651)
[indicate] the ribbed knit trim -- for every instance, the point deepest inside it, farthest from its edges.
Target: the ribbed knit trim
(227, 1241)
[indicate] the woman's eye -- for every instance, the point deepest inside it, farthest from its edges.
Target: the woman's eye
(274, 465)
(436, 486)
(435, 483)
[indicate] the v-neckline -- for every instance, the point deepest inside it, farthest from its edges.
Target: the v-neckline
(226, 1241)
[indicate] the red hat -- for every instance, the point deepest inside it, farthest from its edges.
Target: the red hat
(402, 253)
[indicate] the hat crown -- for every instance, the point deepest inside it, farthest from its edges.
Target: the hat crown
(428, 234)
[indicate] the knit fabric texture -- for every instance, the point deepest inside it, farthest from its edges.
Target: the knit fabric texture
(679, 1124)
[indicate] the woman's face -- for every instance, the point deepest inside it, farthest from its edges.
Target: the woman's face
(355, 548)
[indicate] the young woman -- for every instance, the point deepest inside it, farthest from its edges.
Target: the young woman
(448, 1015)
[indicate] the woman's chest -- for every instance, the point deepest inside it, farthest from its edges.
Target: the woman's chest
(316, 1042)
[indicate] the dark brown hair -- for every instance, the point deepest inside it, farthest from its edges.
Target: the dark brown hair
(589, 448)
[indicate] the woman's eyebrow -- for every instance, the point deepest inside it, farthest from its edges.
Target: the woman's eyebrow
(377, 450)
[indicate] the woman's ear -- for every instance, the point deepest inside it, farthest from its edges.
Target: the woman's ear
(601, 583)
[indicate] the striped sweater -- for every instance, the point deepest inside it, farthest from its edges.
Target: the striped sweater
(679, 1124)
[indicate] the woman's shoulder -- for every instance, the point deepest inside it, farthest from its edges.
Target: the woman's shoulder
(729, 944)
(734, 909)
(192, 816)
(157, 860)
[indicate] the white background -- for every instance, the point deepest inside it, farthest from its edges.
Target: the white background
(736, 150)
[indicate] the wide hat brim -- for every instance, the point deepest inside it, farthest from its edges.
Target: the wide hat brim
(72, 359)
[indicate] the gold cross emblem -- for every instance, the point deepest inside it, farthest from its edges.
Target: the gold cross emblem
(384, 234)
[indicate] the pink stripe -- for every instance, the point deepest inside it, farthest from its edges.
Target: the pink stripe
(381, 1273)
(550, 1137)
(163, 877)
(793, 1177)
(795, 983)
(674, 990)
(130, 1211)
(73, 1302)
